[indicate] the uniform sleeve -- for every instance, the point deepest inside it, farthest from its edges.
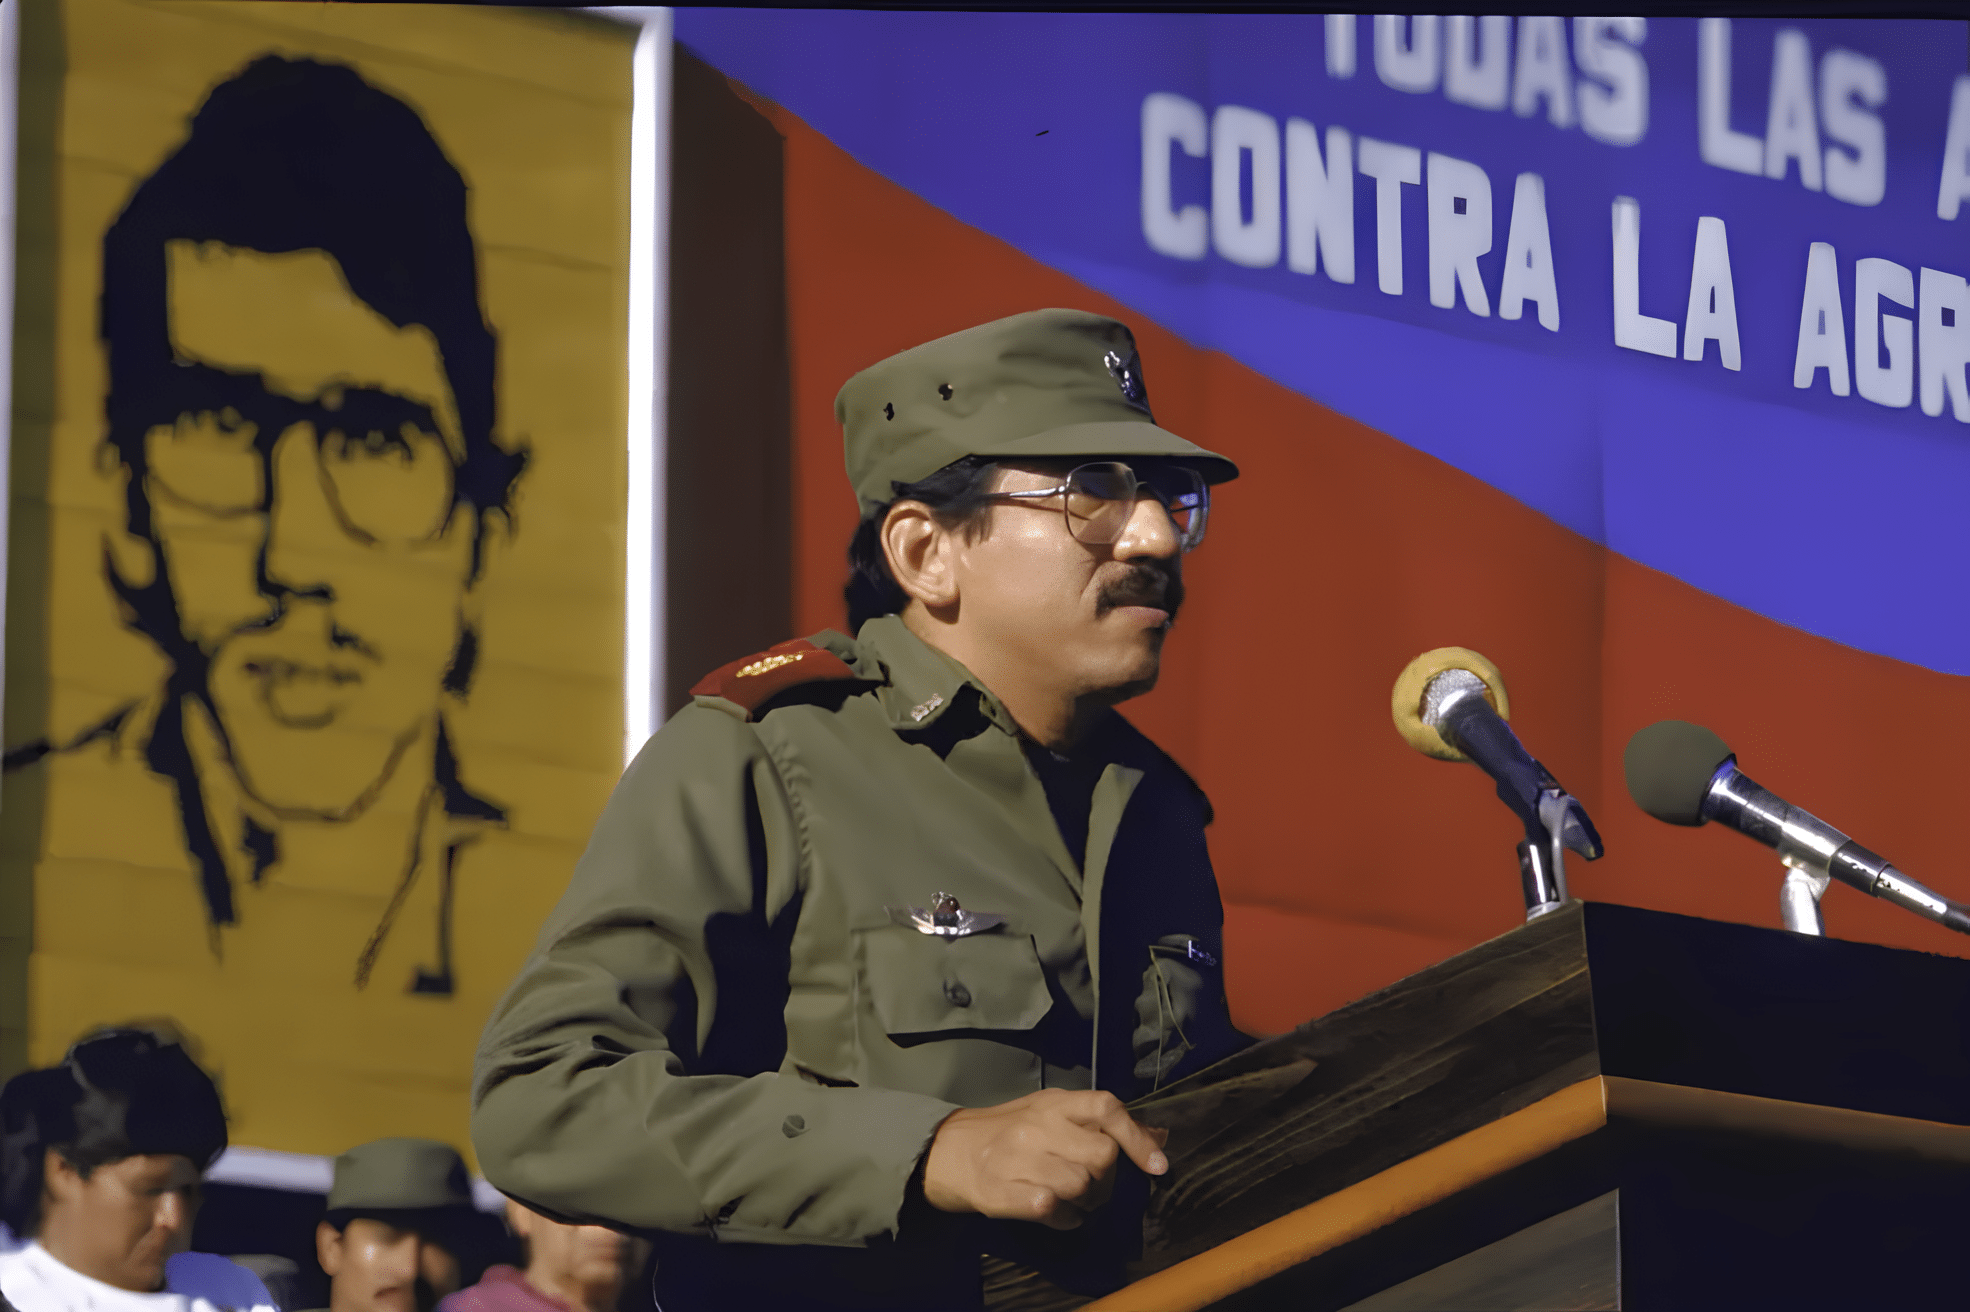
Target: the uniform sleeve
(630, 1074)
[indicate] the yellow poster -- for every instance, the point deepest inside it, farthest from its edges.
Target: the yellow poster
(315, 647)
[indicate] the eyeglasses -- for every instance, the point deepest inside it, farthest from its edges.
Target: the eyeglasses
(385, 468)
(1099, 499)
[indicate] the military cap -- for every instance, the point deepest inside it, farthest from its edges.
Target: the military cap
(1036, 386)
(399, 1175)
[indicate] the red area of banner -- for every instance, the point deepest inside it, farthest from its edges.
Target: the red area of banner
(1347, 860)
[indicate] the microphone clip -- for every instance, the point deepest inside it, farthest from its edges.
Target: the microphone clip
(1799, 899)
(1561, 826)
(1456, 705)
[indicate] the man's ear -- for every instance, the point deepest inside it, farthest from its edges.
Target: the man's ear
(328, 1248)
(60, 1181)
(920, 553)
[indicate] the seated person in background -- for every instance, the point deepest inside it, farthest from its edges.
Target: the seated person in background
(101, 1167)
(397, 1216)
(570, 1268)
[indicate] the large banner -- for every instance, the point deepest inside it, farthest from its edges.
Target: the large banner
(1631, 352)
(315, 669)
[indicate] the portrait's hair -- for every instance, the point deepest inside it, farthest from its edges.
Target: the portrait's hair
(294, 155)
(956, 497)
(119, 1093)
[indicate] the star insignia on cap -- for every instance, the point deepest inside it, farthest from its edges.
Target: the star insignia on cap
(1127, 373)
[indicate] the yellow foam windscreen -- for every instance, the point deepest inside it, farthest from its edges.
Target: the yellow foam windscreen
(1406, 701)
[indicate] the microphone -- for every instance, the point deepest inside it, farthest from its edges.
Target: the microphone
(1450, 703)
(1683, 774)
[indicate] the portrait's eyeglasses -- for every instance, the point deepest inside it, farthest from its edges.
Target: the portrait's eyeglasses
(386, 470)
(1099, 499)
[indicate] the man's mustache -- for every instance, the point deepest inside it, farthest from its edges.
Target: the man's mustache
(1143, 585)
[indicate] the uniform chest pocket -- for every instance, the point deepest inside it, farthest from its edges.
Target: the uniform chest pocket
(921, 985)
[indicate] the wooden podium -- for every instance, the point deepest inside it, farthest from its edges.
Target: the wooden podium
(1606, 1108)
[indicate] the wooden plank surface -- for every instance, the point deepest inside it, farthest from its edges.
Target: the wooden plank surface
(1492, 1149)
(1302, 1116)
(1297, 1145)
(1470, 1158)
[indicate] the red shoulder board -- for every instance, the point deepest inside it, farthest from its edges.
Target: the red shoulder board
(752, 680)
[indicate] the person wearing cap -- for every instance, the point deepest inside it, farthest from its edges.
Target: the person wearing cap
(876, 937)
(391, 1237)
(101, 1159)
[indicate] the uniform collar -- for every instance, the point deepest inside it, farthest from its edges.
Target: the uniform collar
(920, 683)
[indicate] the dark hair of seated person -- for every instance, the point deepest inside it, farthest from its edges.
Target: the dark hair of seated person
(956, 497)
(118, 1093)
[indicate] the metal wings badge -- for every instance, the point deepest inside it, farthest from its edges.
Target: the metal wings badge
(944, 918)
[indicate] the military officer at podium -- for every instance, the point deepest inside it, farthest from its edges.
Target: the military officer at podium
(877, 936)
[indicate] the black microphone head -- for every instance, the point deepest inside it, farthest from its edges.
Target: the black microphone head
(1669, 767)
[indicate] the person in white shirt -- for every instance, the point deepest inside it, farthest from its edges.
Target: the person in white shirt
(101, 1160)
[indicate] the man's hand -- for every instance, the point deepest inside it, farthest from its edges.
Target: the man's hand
(1047, 1157)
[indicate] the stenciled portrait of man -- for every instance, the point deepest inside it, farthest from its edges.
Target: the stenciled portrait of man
(301, 413)
(320, 479)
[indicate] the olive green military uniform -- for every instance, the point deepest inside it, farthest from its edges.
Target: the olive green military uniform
(740, 1020)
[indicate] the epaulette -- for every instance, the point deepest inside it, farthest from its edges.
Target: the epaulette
(751, 681)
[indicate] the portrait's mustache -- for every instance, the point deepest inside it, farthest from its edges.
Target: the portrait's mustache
(277, 670)
(1143, 585)
(339, 638)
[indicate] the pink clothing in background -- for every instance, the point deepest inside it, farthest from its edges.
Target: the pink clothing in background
(501, 1289)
